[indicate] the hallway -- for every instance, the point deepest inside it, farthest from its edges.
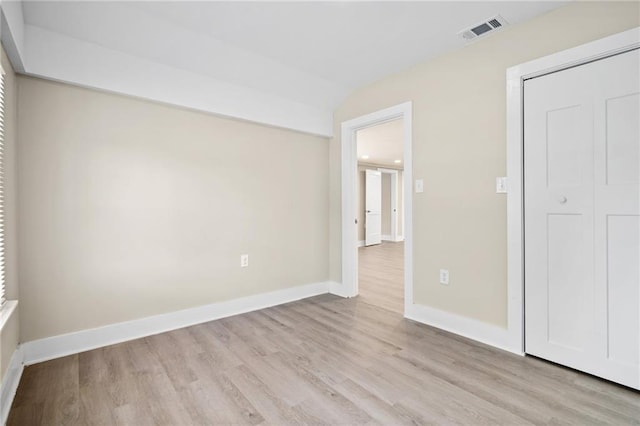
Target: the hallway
(381, 275)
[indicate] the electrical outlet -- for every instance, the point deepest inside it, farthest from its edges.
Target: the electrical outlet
(244, 260)
(444, 276)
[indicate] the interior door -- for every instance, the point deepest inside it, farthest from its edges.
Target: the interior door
(582, 217)
(373, 207)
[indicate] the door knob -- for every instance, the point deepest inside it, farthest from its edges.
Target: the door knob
(368, 211)
(562, 199)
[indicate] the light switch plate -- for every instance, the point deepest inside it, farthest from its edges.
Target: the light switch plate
(419, 185)
(501, 185)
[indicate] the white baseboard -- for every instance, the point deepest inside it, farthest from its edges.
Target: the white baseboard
(385, 238)
(67, 344)
(338, 289)
(463, 326)
(361, 243)
(10, 383)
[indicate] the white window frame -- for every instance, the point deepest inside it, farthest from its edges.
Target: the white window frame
(7, 306)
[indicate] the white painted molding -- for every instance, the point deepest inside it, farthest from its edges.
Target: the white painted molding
(400, 238)
(463, 326)
(10, 383)
(7, 310)
(598, 49)
(339, 289)
(407, 207)
(349, 173)
(516, 75)
(58, 346)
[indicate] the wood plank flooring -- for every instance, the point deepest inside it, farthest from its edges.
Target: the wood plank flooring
(323, 360)
(381, 275)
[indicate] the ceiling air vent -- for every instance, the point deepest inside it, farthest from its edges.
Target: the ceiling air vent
(483, 28)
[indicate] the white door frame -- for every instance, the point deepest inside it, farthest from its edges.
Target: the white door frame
(393, 204)
(349, 287)
(608, 46)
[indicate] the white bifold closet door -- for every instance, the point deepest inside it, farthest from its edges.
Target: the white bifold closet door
(582, 217)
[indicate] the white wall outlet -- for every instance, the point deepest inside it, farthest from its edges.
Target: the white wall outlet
(444, 276)
(419, 185)
(501, 185)
(244, 260)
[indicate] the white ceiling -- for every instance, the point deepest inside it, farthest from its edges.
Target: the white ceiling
(311, 53)
(381, 143)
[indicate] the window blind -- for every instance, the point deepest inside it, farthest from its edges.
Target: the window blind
(2, 290)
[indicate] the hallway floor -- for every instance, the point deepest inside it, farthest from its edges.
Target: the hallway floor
(381, 275)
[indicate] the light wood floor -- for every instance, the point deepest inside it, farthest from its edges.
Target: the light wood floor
(381, 275)
(323, 360)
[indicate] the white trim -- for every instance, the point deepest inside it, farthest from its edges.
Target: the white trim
(349, 286)
(10, 383)
(338, 289)
(58, 346)
(361, 243)
(386, 237)
(6, 311)
(516, 75)
(463, 326)
(400, 238)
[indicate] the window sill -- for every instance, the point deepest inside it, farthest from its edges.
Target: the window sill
(6, 312)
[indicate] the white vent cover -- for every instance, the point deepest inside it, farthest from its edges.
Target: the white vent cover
(483, 28)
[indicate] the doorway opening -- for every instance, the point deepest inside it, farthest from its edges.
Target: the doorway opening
(386, 243)
(380, 215)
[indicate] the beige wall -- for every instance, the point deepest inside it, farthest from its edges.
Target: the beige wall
(131, 209)
(459, 148)
(9, 333)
